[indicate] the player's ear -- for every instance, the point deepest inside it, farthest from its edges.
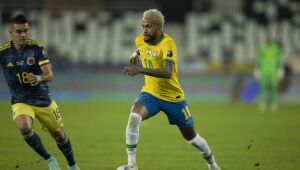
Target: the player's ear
(160, 27)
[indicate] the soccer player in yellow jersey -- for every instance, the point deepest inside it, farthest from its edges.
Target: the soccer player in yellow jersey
(27, 70)
(157, 53)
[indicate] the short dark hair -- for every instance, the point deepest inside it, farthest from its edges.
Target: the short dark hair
(19, 19)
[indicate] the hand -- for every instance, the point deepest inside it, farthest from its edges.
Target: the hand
(134, 58)
(34, 79)
(132, 71)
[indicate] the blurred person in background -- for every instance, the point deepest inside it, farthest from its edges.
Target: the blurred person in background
(162, 91)
(27, 70)
(269, 72)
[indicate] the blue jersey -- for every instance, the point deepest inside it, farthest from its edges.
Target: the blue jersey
(16, 66)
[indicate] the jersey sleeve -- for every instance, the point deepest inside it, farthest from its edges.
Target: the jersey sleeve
(42, 57)
(139, 41)
(169, 51)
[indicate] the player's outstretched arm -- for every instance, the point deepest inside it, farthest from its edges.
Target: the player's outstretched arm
(46, 75)
(164, 72)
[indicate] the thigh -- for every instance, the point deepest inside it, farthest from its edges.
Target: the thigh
(147, 101)
(178, 114)
(22, 109)
(49, 117)
(23, 115)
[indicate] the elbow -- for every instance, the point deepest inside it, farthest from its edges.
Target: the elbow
(50, 78)
(168, 75)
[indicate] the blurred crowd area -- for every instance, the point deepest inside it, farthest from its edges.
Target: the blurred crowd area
(211, 35)
(91, 40)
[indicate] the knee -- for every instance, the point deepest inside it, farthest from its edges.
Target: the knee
(190, 137)
(188, 133)
(135, 119)
(59, 136)
(24, 127)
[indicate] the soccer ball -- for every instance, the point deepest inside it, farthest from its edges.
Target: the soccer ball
(127, 167)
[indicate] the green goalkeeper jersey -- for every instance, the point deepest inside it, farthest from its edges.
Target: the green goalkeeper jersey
(268, 60)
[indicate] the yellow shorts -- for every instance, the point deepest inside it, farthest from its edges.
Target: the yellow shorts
(48, 116)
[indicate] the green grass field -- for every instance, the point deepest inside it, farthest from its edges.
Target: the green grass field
(240, 137)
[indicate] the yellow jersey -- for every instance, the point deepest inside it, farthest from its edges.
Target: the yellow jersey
(152, 56)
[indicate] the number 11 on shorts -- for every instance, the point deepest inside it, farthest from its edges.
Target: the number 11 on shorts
(186, 113)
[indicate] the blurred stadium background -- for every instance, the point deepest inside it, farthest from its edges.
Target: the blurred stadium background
(90, 41)
(217, 42)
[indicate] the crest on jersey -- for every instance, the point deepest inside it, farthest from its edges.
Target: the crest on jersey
(10, 64)
(169, 53)
(148, 52)
(154, 54)
(30, 61)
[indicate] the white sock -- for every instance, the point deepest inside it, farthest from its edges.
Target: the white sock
(132, 136)
(202, 147)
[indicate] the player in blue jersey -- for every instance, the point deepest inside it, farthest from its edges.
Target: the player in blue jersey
(27, 70)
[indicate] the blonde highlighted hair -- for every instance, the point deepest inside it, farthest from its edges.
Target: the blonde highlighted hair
(155, 15)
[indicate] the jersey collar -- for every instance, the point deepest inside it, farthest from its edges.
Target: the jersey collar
(14, 48)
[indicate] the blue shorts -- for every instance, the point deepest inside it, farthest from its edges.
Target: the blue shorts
(177, 112)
